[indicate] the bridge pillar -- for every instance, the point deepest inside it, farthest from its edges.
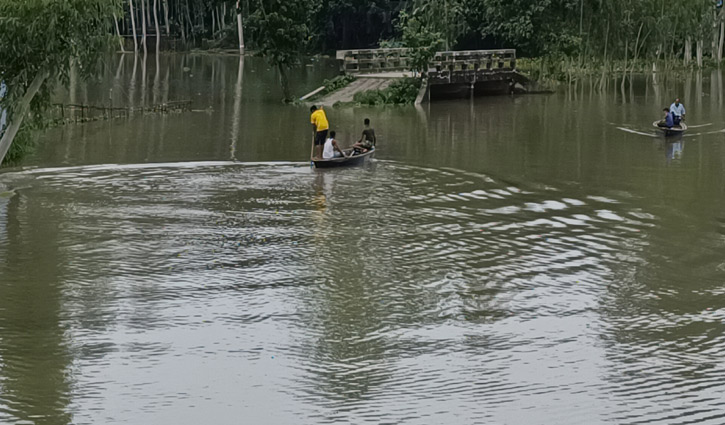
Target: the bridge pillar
(423, 92)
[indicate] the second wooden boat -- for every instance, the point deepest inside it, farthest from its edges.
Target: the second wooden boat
(672, 131)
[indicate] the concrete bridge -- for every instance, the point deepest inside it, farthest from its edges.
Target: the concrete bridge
(451, 74)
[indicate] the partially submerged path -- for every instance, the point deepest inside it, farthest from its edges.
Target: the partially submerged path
(362, 83)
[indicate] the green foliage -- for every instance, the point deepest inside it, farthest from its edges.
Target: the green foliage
(338, 82)
(537, 27)
(45, 35)
(347, 24)
(332, 85)
(281, 29)
(390, 44)
(446, 18)
(422, 41)
(23, 145)
(40, 37)
(285, 28)
(401, 92)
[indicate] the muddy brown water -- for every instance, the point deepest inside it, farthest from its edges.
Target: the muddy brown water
(505, 260)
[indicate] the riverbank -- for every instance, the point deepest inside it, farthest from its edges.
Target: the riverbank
(567, 69)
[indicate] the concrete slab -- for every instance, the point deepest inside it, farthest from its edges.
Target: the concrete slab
(346, 94)
(386, 75)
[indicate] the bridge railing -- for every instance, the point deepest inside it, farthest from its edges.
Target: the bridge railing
(397, 60)
(474, 60)
(374, 60)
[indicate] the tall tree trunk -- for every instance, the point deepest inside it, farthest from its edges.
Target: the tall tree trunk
(626, 55)
(240, 29)
(157, 81)
(158, 31)
(715, 35)
(688, 50)
(604, 64)
(284, 81)
(720, 44)
(166, 17)
(148, 10)
(133, 26)
(700, 42)
(18, 116)
(143, 26)
(118, 33)
(213, 22)
(182, 26)
(191, 24)
(3, 112)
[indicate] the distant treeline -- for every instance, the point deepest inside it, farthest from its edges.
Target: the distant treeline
(604, 29)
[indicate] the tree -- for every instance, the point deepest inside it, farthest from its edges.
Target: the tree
(40, 40)
(447, 18)
(421, 40)
(282, 35)
(240, 27)
(133, 25)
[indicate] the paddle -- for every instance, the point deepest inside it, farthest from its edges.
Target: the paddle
(312, 150)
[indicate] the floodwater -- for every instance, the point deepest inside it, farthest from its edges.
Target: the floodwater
(539, 259)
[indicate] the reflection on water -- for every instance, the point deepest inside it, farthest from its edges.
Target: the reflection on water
(674, 150)
(35, 378)
(503, 260)
(429, 296)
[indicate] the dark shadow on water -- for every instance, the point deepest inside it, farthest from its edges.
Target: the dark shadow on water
(35, 359)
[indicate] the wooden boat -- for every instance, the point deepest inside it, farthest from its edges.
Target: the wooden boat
(674, 131)
(350, 161)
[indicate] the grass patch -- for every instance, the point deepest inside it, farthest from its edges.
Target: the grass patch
(332, 85)
(401, 92)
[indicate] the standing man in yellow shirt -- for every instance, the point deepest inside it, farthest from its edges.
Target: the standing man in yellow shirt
(320, 127)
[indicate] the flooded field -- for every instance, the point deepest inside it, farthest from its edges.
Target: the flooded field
(542, 259)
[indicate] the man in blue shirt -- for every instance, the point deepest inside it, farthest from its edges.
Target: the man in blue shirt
(678, 110)
(668, 121)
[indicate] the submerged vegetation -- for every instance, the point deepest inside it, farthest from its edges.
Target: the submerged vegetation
(333, 85)
(338, 82)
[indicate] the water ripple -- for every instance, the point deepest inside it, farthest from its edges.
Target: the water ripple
(390, 294)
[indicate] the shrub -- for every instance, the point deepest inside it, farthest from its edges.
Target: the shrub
(401, 92)
(338, 82)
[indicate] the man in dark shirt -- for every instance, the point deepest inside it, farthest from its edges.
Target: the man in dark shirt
(368, 139)
(668, 120)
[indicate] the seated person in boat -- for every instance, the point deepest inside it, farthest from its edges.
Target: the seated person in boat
(368, 139)
(668, 121)
(678, 111)
(332, 148)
